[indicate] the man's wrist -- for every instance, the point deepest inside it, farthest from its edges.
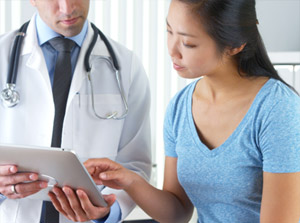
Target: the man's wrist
(113, 216)
(103, 219)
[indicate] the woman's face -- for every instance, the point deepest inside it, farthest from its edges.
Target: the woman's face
(192, 50)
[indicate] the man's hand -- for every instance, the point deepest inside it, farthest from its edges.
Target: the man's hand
(15, 185)
(76, 205)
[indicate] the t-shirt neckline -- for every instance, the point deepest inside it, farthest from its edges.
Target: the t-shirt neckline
(221, 148)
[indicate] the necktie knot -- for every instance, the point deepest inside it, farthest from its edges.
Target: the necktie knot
(62, 44)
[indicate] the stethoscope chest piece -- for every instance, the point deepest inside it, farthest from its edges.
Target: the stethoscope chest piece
(10, 96)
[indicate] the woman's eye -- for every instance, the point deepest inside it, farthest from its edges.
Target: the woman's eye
(189, 45)
(169, 31)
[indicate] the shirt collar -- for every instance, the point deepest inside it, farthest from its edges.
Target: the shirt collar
(45, 33)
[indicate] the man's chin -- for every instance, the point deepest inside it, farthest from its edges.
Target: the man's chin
(70, 31)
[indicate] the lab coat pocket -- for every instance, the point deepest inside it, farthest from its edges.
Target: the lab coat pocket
(92, 136)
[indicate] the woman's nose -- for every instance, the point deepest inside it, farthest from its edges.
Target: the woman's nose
(174, 50)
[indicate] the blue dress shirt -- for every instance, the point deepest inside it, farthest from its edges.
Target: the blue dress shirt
(45, 33)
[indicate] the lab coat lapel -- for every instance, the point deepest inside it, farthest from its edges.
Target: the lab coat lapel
(36, 59)
(80, 72)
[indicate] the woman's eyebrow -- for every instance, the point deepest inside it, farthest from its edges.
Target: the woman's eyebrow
(181, 33)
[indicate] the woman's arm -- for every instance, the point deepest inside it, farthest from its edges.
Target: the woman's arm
(280, 198)
(168, 205)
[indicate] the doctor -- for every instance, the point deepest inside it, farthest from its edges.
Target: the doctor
(30, 122)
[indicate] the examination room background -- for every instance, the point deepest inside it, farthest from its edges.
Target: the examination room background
(140, 25)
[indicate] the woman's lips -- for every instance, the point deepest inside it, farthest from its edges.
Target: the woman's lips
(177, 67)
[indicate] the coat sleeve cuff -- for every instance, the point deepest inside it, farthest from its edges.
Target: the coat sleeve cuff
(2, 198)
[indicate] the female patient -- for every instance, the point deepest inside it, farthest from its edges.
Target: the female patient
(232, 138)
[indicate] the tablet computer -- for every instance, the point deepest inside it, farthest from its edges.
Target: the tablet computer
(57, 166)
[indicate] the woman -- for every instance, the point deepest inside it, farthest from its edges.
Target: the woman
(232, 138)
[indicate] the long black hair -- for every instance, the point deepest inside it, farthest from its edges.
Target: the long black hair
(232, 23)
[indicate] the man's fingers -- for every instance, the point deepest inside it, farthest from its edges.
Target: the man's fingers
(75, 204)
(7, 190)
(19, 196)
(30, 187)
(110, 199)
(56, 203)
(23, 189)
(8, 170)
(91, 211)
(84, 200)
(64, 203)
(18, 178)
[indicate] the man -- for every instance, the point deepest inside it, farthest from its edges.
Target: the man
(35, 119)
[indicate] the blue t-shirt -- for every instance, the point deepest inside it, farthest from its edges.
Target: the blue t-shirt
(225, 184)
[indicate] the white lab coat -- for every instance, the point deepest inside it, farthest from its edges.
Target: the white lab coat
(30, 122)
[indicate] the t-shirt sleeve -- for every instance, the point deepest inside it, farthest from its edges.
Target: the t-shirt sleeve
(169, 136)
(280, 137)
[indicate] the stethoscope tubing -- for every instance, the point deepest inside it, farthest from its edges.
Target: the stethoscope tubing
(107, 44)
(13, 67)
(11, 97)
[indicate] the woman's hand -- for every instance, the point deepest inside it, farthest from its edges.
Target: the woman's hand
(109, 173)
(168, 205)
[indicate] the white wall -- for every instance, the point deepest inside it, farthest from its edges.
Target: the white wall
(279, 23)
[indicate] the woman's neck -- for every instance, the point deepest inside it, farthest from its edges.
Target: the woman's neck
(224, 84)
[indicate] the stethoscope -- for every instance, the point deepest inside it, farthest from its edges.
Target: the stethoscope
(11, 97)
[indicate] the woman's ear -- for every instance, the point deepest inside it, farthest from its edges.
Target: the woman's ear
(235, 51)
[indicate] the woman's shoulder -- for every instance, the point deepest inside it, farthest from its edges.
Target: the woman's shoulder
(277, 100)
(179, 102)
(275, 92)
(183, 94)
